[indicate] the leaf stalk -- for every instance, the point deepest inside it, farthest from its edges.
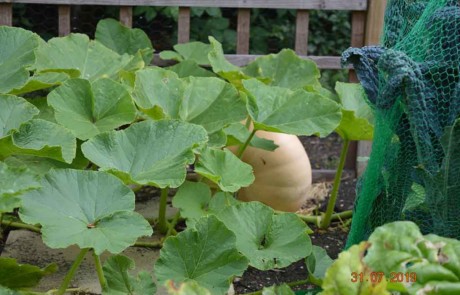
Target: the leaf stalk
(68, 277)
(162, 223)
(243, 147)
(100, 272)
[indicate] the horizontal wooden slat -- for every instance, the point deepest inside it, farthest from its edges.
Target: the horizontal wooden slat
(286, 4)
(323, 62)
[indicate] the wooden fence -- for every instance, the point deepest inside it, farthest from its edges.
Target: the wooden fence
(366, 25)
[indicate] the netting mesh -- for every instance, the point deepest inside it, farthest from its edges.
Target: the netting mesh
(412, 82)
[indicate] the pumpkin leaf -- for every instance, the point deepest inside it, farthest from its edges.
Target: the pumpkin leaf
(89, 59)
(192, 199)
(225, 169)
(283, 289)
(122, 39)
(205, 254)
(13, 182)
(285, 69)
(237, 134)
(294, 112)
(13, 112)
(17, 276)
(171, 55)
(147, 153)
(262, 235)
(95, 210)
(46, 112)
(40, 138)
(186, 288)
(16, 56)
(318, 262)
(209, 102)
(357, 117)
(120, 282)
(189, 68)
(221, 201)
(88, 109)
(41, 81)
(194, 51)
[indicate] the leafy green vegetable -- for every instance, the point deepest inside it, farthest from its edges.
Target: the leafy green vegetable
(95, 210)
(237, 134)
(278, 290)
(40, 138)
(262, 237)
(318, 262)
(357, 117)
(18, 276)
(189, 68)
(13, 182)
(120, 282)
(205, 254)
(348, 275)
(295, 112)
(285, 69)
(88, 109)
(205, 101)
(192, 51)
(89, 59)
(225, 169)
(16, 56)
(123, 40)
(13, 112)
(153, 153)
(192, 199)
(186, 288)
(41, 81)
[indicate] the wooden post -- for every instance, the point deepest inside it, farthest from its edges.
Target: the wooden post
(374, 29)
(183, 31)
(6, 14)
(64, 20)
(126, 16)
(301, 32)
(243, 31)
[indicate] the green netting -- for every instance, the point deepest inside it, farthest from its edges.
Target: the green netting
(412, 82)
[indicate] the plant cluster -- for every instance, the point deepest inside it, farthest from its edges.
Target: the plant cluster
(85, 122)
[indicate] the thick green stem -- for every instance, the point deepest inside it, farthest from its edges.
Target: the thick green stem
(100, 272)
(68, 277)
(172, 225)
(21, 225)
(326, 221)
(154, 245)
(317, 219)
(162, 223)
(245, 145)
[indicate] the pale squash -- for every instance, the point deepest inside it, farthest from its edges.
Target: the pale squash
(282, 177)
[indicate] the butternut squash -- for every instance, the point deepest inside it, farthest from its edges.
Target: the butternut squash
(282, 177)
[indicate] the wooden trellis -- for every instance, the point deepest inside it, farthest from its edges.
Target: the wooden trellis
(366, 24)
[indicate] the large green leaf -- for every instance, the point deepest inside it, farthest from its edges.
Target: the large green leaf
(192, 198)
(122, 40)
(15, 181)
(16, 56)
(189, 68)
(13, 112)
(318, 262)
(88, 208)
(17, 276)
(297, 112)
(153, 153)
(88, 59)
(192, 51)
(205, 253)
(237, 134)
(348, 275)
(225, 169)
(41, 81)
(267, 239)
(205, 101)
(120, 282)
(186, 288)
(285, 69)
(357, 117)
(88, 109)
(40, 138)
